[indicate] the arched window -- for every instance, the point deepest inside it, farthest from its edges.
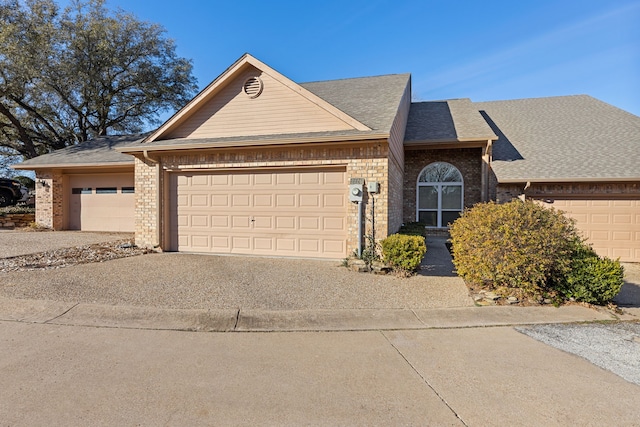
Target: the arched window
(439, 195)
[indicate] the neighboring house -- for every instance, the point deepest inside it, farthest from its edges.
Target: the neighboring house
(258, 164)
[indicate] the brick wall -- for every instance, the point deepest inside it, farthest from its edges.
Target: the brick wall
(147, 204)
(586, 189)
(467, 160)
(49, 199)
(396, 183)
(361, 160)
(507, 192)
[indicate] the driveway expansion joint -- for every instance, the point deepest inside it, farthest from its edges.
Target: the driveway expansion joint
(62, 314)
(424, 379)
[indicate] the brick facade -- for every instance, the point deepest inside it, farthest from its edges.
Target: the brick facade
(147, 204)
(361, 160)
(506, 192)
(604, 190)
(50, 199)
(396, 183)
(467, 160)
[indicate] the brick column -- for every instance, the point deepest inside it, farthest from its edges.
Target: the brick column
(147, 205)
(49, 199)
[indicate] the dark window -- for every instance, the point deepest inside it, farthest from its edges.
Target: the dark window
(85, 190)
(128, 190)
(106, 190)
(440, 195)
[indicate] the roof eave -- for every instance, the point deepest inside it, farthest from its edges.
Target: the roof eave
(564, 180)
(249, 143)
(451, 143)
(74, 165)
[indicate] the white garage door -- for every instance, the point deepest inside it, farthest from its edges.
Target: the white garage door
(102, 202)
(293, 212)
(611, 226)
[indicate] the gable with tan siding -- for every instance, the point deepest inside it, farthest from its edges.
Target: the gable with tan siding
(277, 110)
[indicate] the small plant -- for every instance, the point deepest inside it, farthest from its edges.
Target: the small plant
(371, 251)
(404, 252)
(591, 279)
(34, 226)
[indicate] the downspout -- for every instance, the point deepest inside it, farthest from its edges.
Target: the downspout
(486, 167)
(158, 197)
(524, 190)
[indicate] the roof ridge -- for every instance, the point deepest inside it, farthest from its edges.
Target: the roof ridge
(581, 95)
(356, 78)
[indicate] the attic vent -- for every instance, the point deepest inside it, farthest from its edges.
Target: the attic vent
(253, 87)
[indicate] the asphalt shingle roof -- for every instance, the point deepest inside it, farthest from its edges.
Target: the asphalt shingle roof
(449, 120)
(563, 138)
(99, 150)
(372, 101)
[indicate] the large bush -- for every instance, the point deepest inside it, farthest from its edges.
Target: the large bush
(516, 244)
(404, 252)
(590, 278)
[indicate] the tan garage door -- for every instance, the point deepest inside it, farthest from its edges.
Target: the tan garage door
(293, 212)
(611, 226)
(101, 202)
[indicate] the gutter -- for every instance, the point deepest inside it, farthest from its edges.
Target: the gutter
(529, 181)
(250, 143)
(22, 166)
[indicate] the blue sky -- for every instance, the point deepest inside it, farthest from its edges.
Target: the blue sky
(483, 50)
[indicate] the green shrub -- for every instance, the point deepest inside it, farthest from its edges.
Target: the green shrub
(404, 252)
(591, 279)
(516, 245)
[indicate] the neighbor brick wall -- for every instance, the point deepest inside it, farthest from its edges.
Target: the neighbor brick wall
(467, 160)
(507, 192)
(361, 160)
(49, 199)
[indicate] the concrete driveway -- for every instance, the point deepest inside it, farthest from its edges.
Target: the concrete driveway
(191, 281)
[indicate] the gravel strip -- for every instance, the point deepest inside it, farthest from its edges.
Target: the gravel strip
(614, 347)
(187, 281)
(20, 242)
(58, 258)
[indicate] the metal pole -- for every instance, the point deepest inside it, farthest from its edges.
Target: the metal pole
(359, 229)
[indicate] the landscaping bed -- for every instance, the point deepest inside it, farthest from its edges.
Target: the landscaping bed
(65, 257)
